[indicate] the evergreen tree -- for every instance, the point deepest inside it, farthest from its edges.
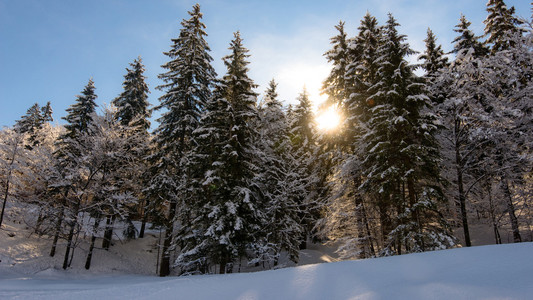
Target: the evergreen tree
(401, 158)
(361, 74)
(347, 218)
(433, 56)
(242, 222)
(500, 23)
(335, 84)
(187, 88)
(132, 112)
(467, 41)
(302, 136)
(80, 114)
(132, 104)
(32, 122)
(46, 112)
(281, 185)
(71, 180)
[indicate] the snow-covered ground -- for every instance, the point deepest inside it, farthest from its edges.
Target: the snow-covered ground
(127, 271)
(485, 272)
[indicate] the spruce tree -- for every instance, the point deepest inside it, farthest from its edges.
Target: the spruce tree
(187, 88)
(132, 113)
(132, 104)
(227, 215)
(46, 113)
(71, 145)
(302, 135)
(467, 41)
(347, 218)
(433, 56)
(335, 84)
(30, 124)
(245, 215)
(281, 185)
(499, 25)
(401, 158)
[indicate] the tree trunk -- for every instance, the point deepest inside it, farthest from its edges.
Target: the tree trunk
(57, 232)
(164, 269)
(497, 236)
(8, 179)
(511, 210)
(5, 198)
(108, 233)
(69, 245)
(462, 197)
(70, 237)
(91, 247)
(143, 224)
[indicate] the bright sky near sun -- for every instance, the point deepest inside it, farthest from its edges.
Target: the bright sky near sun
(50, 49)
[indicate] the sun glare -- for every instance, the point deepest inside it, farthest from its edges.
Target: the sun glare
(328, 119)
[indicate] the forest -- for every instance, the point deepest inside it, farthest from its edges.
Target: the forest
(230, 176)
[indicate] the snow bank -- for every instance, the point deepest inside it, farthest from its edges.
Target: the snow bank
(487, 272)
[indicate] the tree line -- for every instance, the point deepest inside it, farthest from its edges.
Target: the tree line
(226, 176)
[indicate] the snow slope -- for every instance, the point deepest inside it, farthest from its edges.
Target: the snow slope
(486, 272)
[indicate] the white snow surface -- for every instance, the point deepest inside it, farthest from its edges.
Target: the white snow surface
(484, 272)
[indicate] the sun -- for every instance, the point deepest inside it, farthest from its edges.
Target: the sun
(328, 119)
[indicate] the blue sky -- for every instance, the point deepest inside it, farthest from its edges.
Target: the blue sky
(50, 49)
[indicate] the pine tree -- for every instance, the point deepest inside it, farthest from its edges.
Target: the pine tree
(80, 114)
(433, 56)
(401, 158)
(46, 112)
(302, 136)
(335, 84)
(241, 223)
(361, 75)
(70, 180)
(467, 41)
(187, 89)
(32, 122)
(133, 113)
(132, 104)
(500, 23)
(281, 185)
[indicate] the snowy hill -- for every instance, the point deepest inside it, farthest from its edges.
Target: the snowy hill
(486, 272)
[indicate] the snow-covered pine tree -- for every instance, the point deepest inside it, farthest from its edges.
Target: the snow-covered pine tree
(132, 112)
(132, 104)
(227, 215)
(46, 112)
(31, 123)
(242, 223)
(187, 88)
(205, 186)
(434, 62)
(281, 185)
(302, 135)
(433, 56)
(361, 75)
(71, 180)
(499, 25)
(334, 86)
(467, 41)
(401, 157)
(346, 218)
